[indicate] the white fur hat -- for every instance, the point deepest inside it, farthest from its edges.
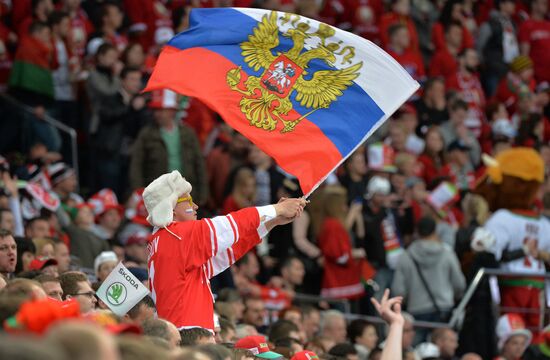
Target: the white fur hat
(161, 197)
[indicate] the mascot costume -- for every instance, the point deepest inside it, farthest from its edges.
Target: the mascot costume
(518, 236)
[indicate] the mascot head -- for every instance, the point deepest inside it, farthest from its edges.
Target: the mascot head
(512, 179)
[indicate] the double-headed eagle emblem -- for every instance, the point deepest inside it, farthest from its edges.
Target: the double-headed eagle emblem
(267, 98)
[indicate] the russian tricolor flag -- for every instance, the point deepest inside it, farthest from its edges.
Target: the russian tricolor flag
(304, 92)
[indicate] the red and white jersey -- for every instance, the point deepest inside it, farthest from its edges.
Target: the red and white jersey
(512, 230)
(184, 256)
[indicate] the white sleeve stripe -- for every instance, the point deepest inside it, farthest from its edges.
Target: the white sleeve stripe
(235, 227)
(224, 232)
(212, 240)
(231, 256)
(219, 263)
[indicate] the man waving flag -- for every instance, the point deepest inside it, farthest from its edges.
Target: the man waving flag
(304, 92)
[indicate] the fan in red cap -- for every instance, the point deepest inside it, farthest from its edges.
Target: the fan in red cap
(257, 345)
(45, 266)
(305, 355)
(108, 213)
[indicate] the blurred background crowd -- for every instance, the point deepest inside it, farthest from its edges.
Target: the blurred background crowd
(68, 217)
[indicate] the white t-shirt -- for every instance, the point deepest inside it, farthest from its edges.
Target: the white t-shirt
(511, 231)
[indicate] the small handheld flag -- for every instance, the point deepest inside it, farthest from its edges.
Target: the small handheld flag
(304, 92)
(121, 290)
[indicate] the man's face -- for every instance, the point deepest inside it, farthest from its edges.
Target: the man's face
(137, 252)
(254, 313)
(105, 269)
(186, 209)
(85, 297)
(50, 270)
(53, 290)
(110, 219)
(401, 38)
(458, 116)
(8, 254)
(540, 6)
(251, 268)
(64, 27)
(63, 257)
(39, 229)
(294, 273)
(114, 17)
(132, 82)
(336, 330)
(448, 344)
(164, 117)
(229, 336)
(67, 186)
(514, 347)
(311, 324)
(454, 36)
(71, 4)
(144, 313)
(408, 335)
(7, 222)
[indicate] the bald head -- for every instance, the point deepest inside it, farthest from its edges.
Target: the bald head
(471, 356)
(333, 326)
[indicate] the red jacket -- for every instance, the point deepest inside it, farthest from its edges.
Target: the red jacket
(443, 64)
(430, 170)
(391, 18)
(342, 275)
(184, 257)
(438, 37)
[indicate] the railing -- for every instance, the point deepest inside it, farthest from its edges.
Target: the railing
(459, 311)
(53, 122)
(317, 299)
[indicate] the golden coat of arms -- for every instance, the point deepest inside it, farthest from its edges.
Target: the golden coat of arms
(266, 98)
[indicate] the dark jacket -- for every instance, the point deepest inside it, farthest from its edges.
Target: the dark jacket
(149, 160)
(117, 120)
(85, 245)
(374, 239)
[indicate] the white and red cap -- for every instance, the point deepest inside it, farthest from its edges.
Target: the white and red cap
(136, 211)
(258, 346)
(509, 325)
(161, 197)
(41, 262)
(305, 355)
(103, 201)
(163, 99)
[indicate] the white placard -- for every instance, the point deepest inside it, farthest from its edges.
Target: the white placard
(121, 290)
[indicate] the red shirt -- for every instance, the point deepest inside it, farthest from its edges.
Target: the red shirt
(180, 269)
(147, 16)
(430, 170)
(509, 88)
(470, 90)
(537, 34)
(366, 16)
(443, 64)
(438, 37)
(411, 61)
(391, 18)
(342, 275)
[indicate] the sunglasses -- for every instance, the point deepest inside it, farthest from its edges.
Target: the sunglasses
(188, 199)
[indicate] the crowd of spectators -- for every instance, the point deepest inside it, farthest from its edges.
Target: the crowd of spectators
(382, 220)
